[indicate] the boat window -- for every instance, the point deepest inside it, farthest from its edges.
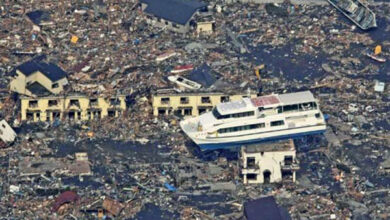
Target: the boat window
(290, 108)
(216, 114)
(179, 79)
(277, 123)
(241, 128)
(280, 109)
(243, 114)
(307, 106)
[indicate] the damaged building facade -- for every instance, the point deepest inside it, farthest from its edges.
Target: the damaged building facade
(190, 103)
(159, 13)
(269, 162)
(72, 107)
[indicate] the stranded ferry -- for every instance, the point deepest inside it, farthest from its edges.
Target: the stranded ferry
(264, 118)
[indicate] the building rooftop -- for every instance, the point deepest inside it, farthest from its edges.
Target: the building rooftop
(296, 97)
(37, 89)
(178, 11)
(203, 76)
(265, 101)
(229, 107)
(50, 70)
(38, 16)
(283, 145)
(175, 92)
(264, 209)
(71, 95)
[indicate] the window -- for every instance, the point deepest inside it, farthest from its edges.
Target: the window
(175, 25)
(251, 176)
(115, 101)
(225, 98)
(3, 125)
(33, 104)
(165, 100)
(74, 102)
(241, 128)
(245, 96)
(205, 100)
(166, 23)
(277, 123)
(30, 116)
(288, 160)
(53, 103)
(217, 115)
(162, 111)
(54, 85)
(203, 109)
(93, 102)
(188, 111)
(111, 113)
(243, 114)
(250, 162)
(307, 106)
(290, 108)
(318, 115)
(184, 100)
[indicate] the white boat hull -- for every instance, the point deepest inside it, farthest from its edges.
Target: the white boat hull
(212, 143)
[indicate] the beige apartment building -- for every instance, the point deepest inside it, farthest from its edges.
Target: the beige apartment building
(190, 104)
(72, 107)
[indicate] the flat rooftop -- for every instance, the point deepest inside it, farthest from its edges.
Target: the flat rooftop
(296, 97)
(283, 145)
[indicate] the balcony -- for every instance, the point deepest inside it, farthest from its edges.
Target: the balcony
(293, 166)
(253, 168)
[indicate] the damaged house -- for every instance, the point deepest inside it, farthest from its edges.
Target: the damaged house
(38, 77)
(175, 15)
(269, 162)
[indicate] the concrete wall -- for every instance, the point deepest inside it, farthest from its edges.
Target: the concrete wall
(194, 102)
(84, 111)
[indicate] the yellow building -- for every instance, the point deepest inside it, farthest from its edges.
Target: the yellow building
(206, 27)
(169, 102)
(36, 77)
(73, 107)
